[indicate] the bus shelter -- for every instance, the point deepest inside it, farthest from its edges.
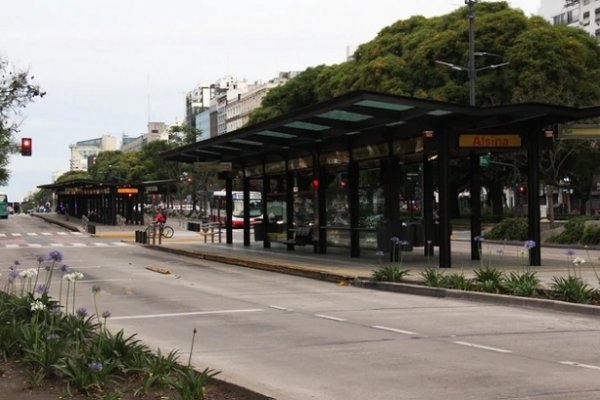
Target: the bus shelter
(364, 168)
(100, 201)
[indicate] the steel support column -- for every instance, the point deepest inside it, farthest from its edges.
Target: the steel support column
(428, 205)
(246, 190)
(353, 208)
(445, 258)
(228, 210)
(475, 204)
(533, 200)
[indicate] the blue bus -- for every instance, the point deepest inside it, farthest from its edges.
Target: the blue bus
(3, 206)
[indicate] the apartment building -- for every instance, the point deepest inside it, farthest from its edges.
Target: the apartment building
(584, 14)
(83, 151)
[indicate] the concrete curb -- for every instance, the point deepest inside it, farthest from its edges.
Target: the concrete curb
(499, 299)
(265, 266)
(407, 288)
(66, 225)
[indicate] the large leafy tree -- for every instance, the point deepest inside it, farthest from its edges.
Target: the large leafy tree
(17, 90)
(549, 64)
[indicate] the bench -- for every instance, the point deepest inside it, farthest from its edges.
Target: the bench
(302, 236)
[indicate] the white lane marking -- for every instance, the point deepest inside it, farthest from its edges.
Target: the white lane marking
(189, 313)
(34, 245)
(120, 244)
(46, 234)
(101, 244)
(12, 246)
(385, 328)
(576, 364)
(281, 308)
(79, 245)
(16, 234)
(478, 346)
(32, 234)
(77, 233)
(329, 317)
(62, 233)
(2, 234)
(57, 245)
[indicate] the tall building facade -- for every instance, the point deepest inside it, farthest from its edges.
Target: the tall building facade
(584, 14)
(230, 104)
(82, 151)
(156, 131)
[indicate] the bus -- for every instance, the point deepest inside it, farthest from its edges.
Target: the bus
(4, 206)
(217, 208)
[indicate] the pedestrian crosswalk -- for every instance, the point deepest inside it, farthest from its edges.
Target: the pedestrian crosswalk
(60, 233)
(62, 245)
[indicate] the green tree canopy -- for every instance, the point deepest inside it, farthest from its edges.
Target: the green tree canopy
(550, 64)
(16, 92)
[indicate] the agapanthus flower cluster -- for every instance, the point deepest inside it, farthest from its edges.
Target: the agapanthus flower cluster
(37, 305)
(28, 273)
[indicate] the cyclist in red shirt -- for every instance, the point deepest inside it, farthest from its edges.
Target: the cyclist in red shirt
(160, 218)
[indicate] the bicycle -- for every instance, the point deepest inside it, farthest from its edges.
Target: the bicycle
(164, 230)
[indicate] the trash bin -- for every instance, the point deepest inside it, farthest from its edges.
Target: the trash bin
(259, 232)
(91, 228)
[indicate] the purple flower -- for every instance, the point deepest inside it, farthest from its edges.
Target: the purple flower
(55, 255)
(106, 314)
(17, 262)
(40, 259)
(12, 275)
(41, 289)
(96, 289)
(95, 366)
(65, 268)
(530, 244)
(81, 312)
(570, 252)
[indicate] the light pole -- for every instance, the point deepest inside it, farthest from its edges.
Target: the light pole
(470, 68)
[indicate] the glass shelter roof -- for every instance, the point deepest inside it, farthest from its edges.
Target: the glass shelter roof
(362, 117)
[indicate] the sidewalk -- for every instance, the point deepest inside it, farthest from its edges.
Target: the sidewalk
(337, 265)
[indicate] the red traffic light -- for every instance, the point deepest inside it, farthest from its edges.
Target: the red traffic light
(26, 146)
(523, 189)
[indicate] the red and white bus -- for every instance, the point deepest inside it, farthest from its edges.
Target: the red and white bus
(217, 208)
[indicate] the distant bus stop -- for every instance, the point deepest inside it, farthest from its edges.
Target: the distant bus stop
(363, 170)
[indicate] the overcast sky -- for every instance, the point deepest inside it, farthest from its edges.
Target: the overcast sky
(110, 66)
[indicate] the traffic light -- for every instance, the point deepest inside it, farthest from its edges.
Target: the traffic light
(523, 189)
(25, 146)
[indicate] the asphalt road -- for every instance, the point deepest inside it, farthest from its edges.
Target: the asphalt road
(294, 338)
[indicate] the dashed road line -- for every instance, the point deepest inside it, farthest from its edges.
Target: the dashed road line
(329, 317)
(32, 234)
(281, 308)
(34, 245)
(402, 331)
(478, 346)
(12, 246)
(184, 314)
(98, 244)
(62, 233)
(576, 364)
(57, 244)
(46, 234)
(16, 234)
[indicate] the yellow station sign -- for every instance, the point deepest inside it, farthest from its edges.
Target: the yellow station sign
(494, 141)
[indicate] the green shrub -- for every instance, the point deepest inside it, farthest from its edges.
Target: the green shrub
(591, 235)
(572, 233)
(433, 277)
(390, 273)
(456, 281)
(572, 289)
(509, 229)
(523, 284)
(489, 279)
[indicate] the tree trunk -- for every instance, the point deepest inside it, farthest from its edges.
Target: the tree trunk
(550, 204)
